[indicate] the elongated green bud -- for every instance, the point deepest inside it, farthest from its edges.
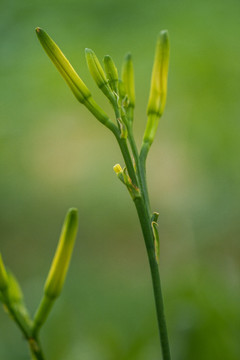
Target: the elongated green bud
(122, 90)
(111, 72)
(14, 291)
(158, 91)
(62, 257)
(76, 84)
(98, 74)
(128, 79)
(3, 275)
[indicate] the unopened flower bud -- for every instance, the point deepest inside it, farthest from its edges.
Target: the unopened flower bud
(14, 291)
(122, 91)
(61, 260)
(158, 90)
(111, 72)
(117, 168)
(128, 79)
(98, 74)
(76, 84)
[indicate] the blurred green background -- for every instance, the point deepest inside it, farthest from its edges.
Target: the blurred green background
(55, 155)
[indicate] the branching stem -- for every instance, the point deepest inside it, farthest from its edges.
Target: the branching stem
(144, 214)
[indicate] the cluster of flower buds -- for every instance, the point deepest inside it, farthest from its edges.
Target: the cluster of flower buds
(120, 92)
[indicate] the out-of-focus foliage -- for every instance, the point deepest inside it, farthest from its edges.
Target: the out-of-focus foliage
(54, 155)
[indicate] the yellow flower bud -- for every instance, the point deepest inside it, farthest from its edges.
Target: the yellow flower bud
(122, 91)
(117, 168)
(76, 84)
(128, 79)
(61, 260)
(98, 74)
(158, 90)
(111, 72)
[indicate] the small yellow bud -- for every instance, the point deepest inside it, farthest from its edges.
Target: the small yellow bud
(118, 169)
(3, 275)
(61, 260)
(128, 79)
(76, 84)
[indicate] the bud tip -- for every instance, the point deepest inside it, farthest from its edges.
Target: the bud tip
(117, 168)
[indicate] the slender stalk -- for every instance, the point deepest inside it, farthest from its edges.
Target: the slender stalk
(35, 349)
(140, 169)
(26, 330)
(127, 157)
(19, 320)
(42, 314)
(144, 215)
(145, 222)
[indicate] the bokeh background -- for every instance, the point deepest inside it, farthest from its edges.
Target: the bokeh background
(55, 155)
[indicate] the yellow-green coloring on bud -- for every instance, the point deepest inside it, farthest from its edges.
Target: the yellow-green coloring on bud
(98, 74)
(122, 91)
(76, 84)
(14, 291)
(128, 79)
(158, 90)
(111, 72)
(3, 275)
(61, 260)
(117, 168)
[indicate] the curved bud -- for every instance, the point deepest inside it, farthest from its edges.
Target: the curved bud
(62, 257)
(3, 275)
(128, 79)
(76, 84)
(98, 73)
(111, 72)
(158, 90)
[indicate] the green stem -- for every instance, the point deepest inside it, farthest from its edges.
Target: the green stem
(17, 316)
(144, 215)
(143, 154)
(145, 222)
(42, 314)
(25, 326)
(35, 349)
(127, 157)
(142, 172)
